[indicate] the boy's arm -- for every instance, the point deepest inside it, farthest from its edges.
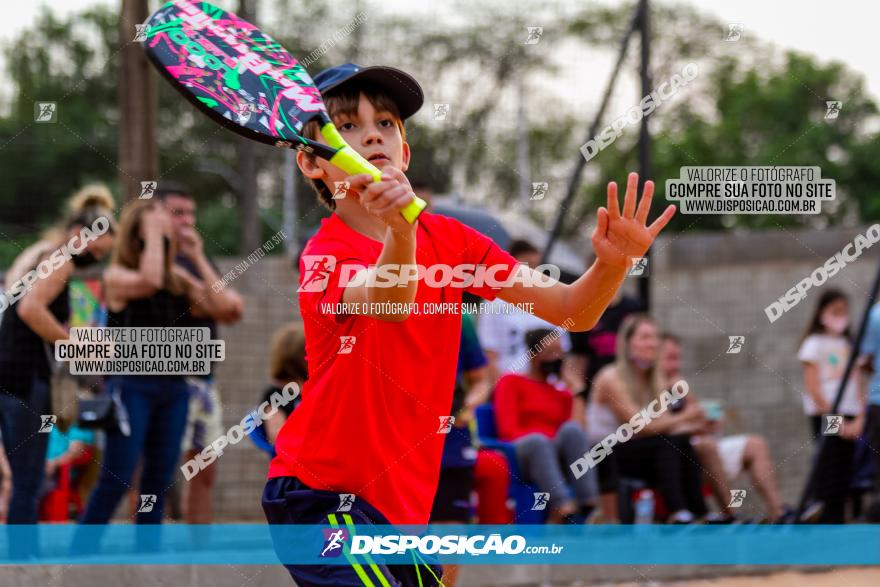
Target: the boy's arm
(385, 199)
(618, 238)
(578, 306)
(398, 252)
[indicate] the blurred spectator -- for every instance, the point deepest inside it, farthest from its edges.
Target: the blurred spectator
(144, 288)
(68, 457)
(28, 332)
(205, 417)
(661, 453)
(824, 352)
(503, 327)
(725, 458)
(452, 502)
(534, 411)
(870, 378)
(287, 364)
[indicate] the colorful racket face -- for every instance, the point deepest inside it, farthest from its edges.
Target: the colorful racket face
(246, 81)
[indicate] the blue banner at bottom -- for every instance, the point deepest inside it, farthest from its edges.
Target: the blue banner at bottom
(259, 544)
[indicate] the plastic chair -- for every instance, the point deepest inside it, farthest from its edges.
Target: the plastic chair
(258, 436)
(522, 494)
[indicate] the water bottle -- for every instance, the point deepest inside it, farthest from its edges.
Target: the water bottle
(645, 507)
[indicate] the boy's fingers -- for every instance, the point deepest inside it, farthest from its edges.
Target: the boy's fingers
(629, 200)
(601, 223)
(390, 172)
(645, 203)
(613, 206)
(661, 222)
(390, 194)
(374, 189)
(359, 182)
(394, 206)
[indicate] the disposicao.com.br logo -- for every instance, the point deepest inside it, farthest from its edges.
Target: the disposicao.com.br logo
(431, 544)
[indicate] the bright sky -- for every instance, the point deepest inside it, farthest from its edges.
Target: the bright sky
(844, 30)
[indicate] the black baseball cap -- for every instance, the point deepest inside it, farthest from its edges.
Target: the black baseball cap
(401, 86)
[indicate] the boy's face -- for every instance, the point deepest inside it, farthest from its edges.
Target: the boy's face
(372, 133)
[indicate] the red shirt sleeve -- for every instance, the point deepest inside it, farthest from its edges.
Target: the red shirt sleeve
(478, 249)
(507, 408)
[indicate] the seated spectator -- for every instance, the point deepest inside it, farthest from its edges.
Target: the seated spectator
(68, 456)
(534, 412)
(502, 329)
(661, 453)
(287, 364)
(725, 458)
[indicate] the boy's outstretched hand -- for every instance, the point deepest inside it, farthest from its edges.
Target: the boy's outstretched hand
(620, 237)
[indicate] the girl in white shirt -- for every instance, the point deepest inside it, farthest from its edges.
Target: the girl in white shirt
(824, 352)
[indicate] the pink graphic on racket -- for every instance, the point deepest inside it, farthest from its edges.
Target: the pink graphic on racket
(246, 81)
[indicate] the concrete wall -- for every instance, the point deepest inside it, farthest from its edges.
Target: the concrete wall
(705, 287)
(709, 287)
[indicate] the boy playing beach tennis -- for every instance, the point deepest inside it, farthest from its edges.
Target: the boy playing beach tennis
(364, 446)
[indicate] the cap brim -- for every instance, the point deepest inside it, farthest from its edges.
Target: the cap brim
(401, 86)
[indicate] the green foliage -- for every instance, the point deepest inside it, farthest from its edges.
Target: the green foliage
(768, 115)
(751, 105)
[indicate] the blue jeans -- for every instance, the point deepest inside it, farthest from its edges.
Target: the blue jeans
(25, 448)
(157, 408)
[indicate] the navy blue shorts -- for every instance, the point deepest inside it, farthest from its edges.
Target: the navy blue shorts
(286, 500)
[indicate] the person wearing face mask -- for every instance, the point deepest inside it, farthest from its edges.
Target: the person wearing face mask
(503, 327)
(660, 453)
(533, 410)
(35, 308)
(824, 352)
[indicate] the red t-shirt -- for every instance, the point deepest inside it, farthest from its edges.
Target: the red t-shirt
(524, 405)
(369, 418)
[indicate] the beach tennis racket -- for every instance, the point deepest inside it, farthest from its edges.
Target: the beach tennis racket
(246, 81)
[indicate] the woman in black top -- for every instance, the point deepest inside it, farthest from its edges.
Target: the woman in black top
(35, 308)
(144, 288)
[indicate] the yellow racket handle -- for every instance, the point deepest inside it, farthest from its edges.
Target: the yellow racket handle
(351, 162)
